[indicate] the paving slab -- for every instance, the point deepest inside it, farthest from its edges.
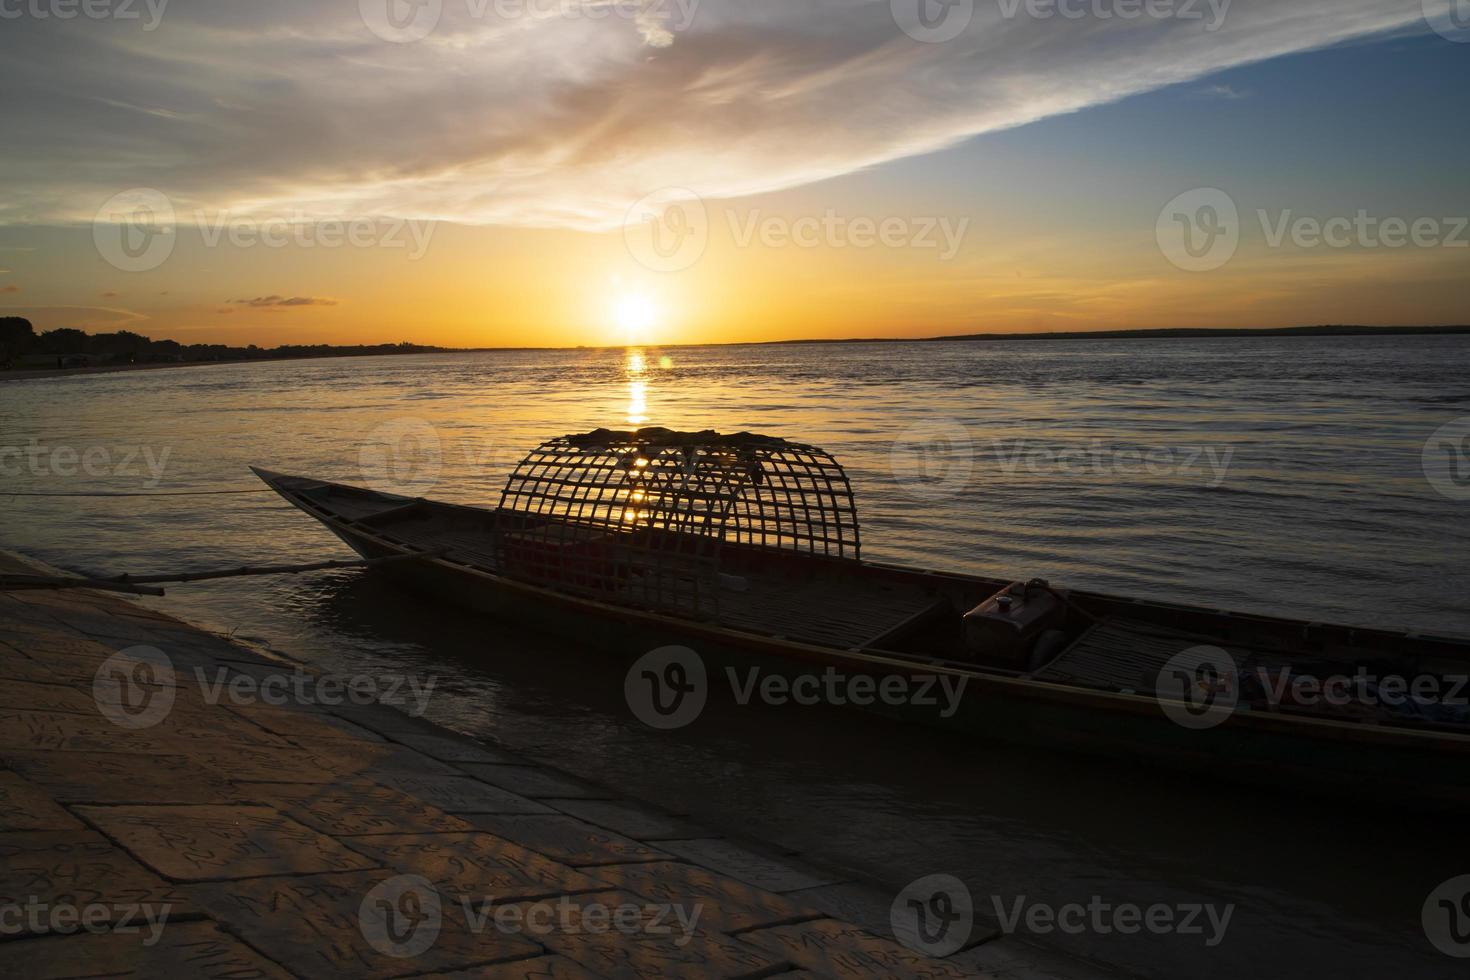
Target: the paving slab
(40, 669)
(104, 626)
(325, 690)
(630, 819)
(36, 696)
(364, 925)
(303, 725)
(448, 749)
(727, 905)
(25, 806)
(385, 719)
(121, 777)
(62, 732)
(202, 843)
(538, 783)
(9, 653)
(846, 952)
(459, 794)
(355, 807)
(201, 656)
(17, 615)
(777, 874)
(44, 870)
(568, 839)
(80, 669)
(294, 677)
(41, 640)
(872, 908)
(536, 968)
(244, 763)
(1009, 958)
(343, 756)
(476, 863)
(329, 762)
(618, 934)
(182, 949)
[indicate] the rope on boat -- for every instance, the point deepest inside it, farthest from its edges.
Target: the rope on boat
(153, 493)
(146, 584)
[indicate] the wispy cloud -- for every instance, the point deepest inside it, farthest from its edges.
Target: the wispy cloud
(12, 288)
(278, 107)
(282, 302)
(1221, 92)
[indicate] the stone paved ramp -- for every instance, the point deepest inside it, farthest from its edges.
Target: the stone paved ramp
(148, 829)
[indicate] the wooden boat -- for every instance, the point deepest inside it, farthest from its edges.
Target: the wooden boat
(746, 550)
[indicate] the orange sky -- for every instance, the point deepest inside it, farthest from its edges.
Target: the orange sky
(1021, 175)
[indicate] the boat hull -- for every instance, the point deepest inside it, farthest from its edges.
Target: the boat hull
(1415, 769)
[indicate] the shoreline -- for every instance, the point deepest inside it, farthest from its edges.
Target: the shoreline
(40, 374)
(1151, 334)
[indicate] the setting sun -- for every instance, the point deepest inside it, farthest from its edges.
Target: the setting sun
(635, 315)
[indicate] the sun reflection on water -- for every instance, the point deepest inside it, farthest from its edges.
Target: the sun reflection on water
(637, 368)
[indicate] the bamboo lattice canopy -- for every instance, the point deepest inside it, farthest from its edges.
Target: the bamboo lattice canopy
(611, 511)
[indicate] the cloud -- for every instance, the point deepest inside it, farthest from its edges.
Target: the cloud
(283, 108)
(109, 295)
(10, 289)
(282, 302)
(1221, 92)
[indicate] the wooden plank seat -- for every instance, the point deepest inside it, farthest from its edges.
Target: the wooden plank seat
(842, 613)
(1120, 654)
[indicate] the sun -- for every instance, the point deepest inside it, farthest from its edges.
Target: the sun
(635, 314)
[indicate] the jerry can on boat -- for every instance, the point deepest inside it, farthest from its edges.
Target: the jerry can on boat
(1004, 629)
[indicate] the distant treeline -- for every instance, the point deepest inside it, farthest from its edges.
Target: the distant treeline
(21, 346)
(1166, 333)
(1325, 330)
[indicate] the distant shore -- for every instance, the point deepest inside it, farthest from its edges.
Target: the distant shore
(1186, 333)
(24, 374)
(1165, 333)
(28, 374)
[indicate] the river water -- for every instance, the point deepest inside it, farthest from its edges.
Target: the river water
(1283, 475)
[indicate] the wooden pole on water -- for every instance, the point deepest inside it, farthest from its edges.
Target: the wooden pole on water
(146, 584)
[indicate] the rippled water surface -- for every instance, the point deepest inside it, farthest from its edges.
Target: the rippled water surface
(1274, 475)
